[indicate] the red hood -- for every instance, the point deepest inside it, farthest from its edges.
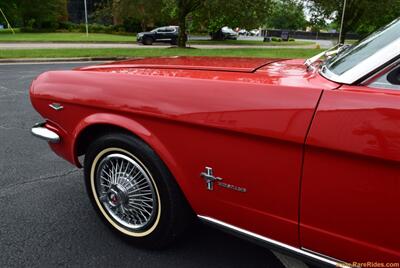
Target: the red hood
(246, 65)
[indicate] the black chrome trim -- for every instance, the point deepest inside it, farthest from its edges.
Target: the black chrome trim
(300, 253)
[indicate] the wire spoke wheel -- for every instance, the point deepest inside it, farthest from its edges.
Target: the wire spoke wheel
(126, 191)
(133, 192)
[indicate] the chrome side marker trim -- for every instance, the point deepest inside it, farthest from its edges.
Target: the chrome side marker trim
(56, 106)
(40, 131)
(271, 243)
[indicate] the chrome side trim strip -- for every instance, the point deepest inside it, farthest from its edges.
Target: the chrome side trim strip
(40, 131)
(322, 255)
(312, 256)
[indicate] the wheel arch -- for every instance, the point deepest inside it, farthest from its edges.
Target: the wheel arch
(93, 126)
(149, 37)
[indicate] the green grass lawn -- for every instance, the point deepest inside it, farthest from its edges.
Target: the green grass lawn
(251, 43)
(156, 52)
(351, 42)
(130, 38)
(66, 37)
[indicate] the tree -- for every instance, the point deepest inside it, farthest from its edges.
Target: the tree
(156, 11)
(287, 14)
(10, 9)
(103, 12)
(216, 14)
(35, 13)
(42, 14)
(180, 10)
(184, 8)
(317, 20)
(145, 11)
(359, 14)
(386, 14)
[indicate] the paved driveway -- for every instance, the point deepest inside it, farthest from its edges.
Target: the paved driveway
(46, 219)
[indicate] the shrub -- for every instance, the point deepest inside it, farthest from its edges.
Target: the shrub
(34, 26)
(275, 39)
(72, 27)
(66, 25)
(29, 29)
(98, 28)
(48, 25)
(8, 31)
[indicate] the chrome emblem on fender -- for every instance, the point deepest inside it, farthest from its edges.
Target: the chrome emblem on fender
(208, 176)
(56, 106)
(232, 187)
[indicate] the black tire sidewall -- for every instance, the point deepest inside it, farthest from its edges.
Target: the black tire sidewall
(147, 41)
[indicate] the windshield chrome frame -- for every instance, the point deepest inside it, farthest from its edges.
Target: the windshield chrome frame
(365, 67)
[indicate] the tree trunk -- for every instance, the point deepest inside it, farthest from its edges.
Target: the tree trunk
(182, 38)
(345, 30)
(143, 25)
(343, 37)
(115, 13)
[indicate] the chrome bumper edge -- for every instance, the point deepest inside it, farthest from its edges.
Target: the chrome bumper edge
(39, 130)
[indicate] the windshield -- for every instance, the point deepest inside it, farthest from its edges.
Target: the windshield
(362, 50)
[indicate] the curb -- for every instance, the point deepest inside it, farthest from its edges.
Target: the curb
(33, 60)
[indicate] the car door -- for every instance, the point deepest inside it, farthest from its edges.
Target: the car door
(170, 33)
(160, 33)
(350, 194)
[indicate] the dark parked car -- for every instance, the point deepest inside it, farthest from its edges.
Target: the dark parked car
(168, 34)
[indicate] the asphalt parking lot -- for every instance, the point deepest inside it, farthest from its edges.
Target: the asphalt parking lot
(46, 219)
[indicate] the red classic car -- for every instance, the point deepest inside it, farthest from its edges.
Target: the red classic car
(300, 157)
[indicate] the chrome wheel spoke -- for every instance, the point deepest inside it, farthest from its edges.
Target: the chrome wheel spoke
(126, 191)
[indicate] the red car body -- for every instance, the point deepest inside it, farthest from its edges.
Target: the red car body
(319, 161)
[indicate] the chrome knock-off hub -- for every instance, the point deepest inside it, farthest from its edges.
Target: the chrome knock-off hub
(117, 196)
